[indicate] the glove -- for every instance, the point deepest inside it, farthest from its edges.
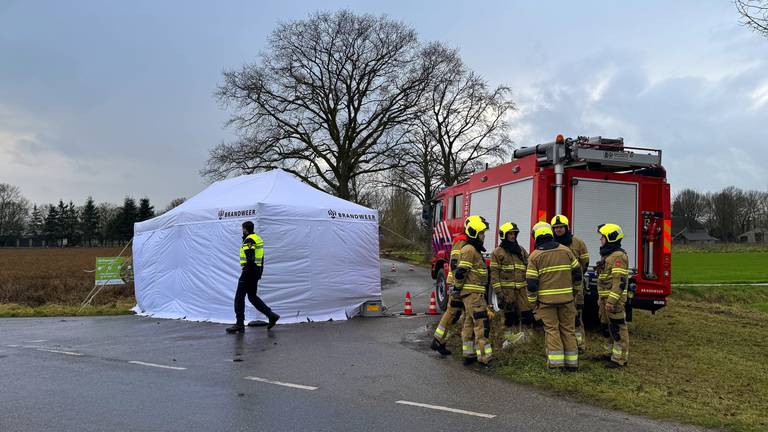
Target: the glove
(455, 290)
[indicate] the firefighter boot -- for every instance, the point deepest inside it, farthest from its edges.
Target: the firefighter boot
(237, 328)
(440, 348)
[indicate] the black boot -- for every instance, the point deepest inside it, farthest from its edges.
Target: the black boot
(440, 348)
(273, 320)
(614, 365)
(237, 328)
(469, 360)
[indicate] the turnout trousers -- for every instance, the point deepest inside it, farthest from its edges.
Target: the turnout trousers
(516, 309)
(476, 330)
(581, 335)
(451, 316)
(247, 286)
(615, 332)
(560, 334)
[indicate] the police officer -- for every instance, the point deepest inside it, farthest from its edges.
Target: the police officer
(553, 277)
(471, 279)
(508, 262)
(455, 305)
(612, 281)
(252, 264)
(579, 248)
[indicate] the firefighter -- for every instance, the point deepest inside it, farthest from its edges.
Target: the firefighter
(612, 280)
(508, 263)
(252, 264)
(470, 280)
(564, 236)
(553, 277)
(455, 305)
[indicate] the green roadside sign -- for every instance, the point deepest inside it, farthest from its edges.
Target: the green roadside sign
(108, 271)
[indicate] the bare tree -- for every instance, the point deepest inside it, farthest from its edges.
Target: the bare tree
(690, 206)
(724, 209)
(418, 172)
(461, 127)
(398, 222)
(463, 116)
(750, 210)
(754, 14)
(762, 211)
(173, 204)
(325, 102)
(13, 212)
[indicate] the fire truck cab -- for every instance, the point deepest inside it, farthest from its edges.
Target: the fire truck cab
(591, 180)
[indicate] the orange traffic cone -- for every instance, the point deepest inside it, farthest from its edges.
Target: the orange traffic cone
(408, 309)
(432, 305)
(410, 267)
(393, 269)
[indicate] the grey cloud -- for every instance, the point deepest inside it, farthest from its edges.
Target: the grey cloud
(708, 128)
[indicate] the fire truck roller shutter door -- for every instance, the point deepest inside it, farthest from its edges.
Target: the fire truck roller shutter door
(597, 202)
(516, 204)
(484, 203)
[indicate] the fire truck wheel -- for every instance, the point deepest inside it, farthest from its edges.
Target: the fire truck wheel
(440, 290)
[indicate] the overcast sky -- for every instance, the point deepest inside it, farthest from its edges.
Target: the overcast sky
(114, 98)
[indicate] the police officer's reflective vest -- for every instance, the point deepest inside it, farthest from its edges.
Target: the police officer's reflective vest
(256, 244)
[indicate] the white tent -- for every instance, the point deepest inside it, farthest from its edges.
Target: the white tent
(321, 253)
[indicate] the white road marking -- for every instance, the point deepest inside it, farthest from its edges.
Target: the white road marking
(156, 365)
(36, 341)
(13, 346)
(59, 352)
(442, 408)
(284, 384)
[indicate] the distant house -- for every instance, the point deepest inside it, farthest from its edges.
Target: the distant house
(693, 233)
(693, 236)
(755, 236)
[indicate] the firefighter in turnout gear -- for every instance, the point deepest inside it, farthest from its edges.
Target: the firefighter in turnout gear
(252, 264)
(471, 280)
(508, 264)
(553, 277)
(455, 305)
(563, 235)
(612, 286)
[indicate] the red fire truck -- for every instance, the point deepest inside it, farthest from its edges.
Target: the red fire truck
(590, 180)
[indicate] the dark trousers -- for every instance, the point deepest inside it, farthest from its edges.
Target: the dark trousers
(247, 286)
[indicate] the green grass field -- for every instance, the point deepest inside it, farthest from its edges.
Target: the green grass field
(118, 307)
(690, 267)
(700, 360)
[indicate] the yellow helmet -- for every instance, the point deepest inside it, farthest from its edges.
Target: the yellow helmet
(559, 220)
(507, 228)
(474, 225)
(611, 232)
(540, 229)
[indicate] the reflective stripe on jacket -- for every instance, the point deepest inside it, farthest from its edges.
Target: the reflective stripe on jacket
(507, 270)
(475, 273)
(579, 248)
(454, 260)
(613, 278)
(552, 274)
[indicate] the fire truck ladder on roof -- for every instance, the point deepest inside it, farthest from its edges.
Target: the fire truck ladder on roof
(608, 154)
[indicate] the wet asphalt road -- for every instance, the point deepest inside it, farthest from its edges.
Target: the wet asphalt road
(142, 374)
